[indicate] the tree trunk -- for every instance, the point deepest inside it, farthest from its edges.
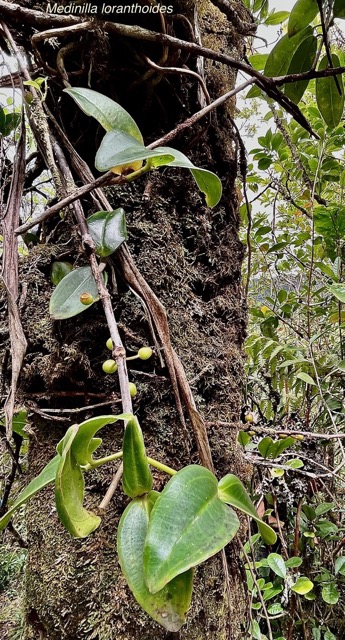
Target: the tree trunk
(191, 258)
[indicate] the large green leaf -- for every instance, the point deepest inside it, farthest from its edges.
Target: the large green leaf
(59, 270)
(302, 60)
(303, 13)
(65, 300)
(270, 449)
(69, 492)
(280, 57)
(118, 149)
(169, 605)
(108, 113)
(84, 444)
(328, 98)
(46, 476)
(189, 523)
(232, 491)
(108, 230)
(339, 9)
(137, 478)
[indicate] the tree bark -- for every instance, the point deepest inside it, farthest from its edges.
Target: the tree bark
(191, 257)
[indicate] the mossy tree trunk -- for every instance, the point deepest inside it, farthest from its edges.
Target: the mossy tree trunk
(191, 257)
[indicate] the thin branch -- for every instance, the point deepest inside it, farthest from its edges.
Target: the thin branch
(112, 488)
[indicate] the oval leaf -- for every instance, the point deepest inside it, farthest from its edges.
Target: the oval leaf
(330, 593)
(46, 476)
(302, 14)
(189, 523)
(328, 98)
(170, 605)
(302, 585)
(137, 478)
(108, 113)
(277, 564)
(65, 300)
(302, 60)
(108, 230)
(69, 492)
(338, 290)
(59, 270)
(232, 491)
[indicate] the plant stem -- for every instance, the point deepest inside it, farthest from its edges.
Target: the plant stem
(100, 461)
(161, 466)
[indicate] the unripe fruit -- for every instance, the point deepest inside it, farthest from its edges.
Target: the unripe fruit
(298, 436)
(251, 433)
(86, 298)
(109, 344)
(28, 97)
(145, 353)
(132, 390)
(109, 366)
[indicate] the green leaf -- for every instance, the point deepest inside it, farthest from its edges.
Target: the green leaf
(339, 9)
(302, 60)
(189, 523)
(330, 593)
(108, 113)
(277, 18)
(275, 609)
(69, 492)
(65, 300)
(137, 478)
(265, 446)
(232, 491)
(302, 14)
(19, 423)
(129, 151)
(46, 476)
(108, 230)
(339, 566)
(83, 443)
(169, 605)
(302, 585)
(295, 463)
(328, 635)
(10, 123)
(59, 270)
(277, 564)
(243, 438)
(293, 563)
(306, 378)
(329, 101)
(258, 60)
(338, 290)
(324, 507)
(281, 55)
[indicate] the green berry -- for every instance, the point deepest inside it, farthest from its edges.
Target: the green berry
(109, 344)
(145, 353)
(132, 390)
(86, 298)
(109, 366)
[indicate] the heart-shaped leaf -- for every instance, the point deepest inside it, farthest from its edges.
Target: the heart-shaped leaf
(302, 60)
(108, 113)
(65, 300)
(303, 13)
(108, 230)
(84, 444)
(46, 476)
(169, 605)
(232, 491)
(137, 478)
(120, 149)
(189, 523)
(328, 98)
(69, 492)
